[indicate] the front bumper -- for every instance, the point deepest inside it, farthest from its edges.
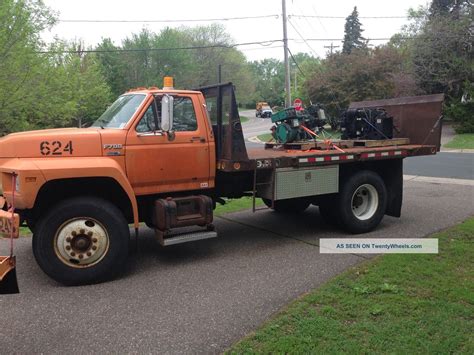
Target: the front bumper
(9, 224)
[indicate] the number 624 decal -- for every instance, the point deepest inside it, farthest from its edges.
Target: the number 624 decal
(56, 148)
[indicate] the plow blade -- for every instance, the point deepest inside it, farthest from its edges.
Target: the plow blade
(8, 280)
(9, 228)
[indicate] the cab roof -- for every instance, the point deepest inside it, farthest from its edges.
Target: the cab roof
(156, 90)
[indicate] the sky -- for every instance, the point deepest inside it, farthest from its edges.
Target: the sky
(331, 30)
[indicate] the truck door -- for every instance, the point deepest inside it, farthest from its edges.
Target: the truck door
(156, 164)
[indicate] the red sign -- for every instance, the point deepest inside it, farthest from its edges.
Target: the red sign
(298, 104)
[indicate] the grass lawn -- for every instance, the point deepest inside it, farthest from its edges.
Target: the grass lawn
(234, 205)
(397, 303)
(24, 231)
(462, 141)
(244, 119)
(266, 137)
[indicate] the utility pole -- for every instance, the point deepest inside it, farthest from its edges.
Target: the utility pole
(331, 46)
(286, 62)
(295, 78)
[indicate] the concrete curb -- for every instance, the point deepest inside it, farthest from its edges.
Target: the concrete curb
(451, 150)
(255, 140)
(438, 180)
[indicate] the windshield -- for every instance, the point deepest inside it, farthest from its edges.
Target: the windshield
(120, 112)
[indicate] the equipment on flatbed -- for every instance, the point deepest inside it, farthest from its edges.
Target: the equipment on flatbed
(292, 125)
(366, 123)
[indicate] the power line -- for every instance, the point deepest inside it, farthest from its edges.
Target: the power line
(275, 16)
(266, 44)
(225, 46)
(344, 17)
(296, 63)
(259, 48)
(304, 40)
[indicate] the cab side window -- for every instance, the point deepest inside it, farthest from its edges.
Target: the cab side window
(184, 115)
(147, 122)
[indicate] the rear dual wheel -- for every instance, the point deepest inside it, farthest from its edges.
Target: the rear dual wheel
(360, 205)
(82, 241)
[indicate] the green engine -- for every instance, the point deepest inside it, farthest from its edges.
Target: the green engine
(289, 124)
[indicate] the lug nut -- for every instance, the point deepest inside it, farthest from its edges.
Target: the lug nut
(89, 253)
(74, 233)
(94, 240)
(81, 256)
(68, 239)
(82, 231)
(73, 254)
(68, 247)
(89, 233)
(94, 247)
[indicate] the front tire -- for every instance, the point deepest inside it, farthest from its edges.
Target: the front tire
(82, 241)
(362, 202)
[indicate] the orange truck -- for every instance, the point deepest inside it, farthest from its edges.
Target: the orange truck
(165, 158)
(263, 110)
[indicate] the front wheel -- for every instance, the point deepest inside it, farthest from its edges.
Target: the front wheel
(82, 241)
(362, 202)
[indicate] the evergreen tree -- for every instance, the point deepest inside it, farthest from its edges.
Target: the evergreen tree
(446, 7)
(353, 33)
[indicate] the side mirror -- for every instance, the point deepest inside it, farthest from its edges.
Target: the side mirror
(167, 113)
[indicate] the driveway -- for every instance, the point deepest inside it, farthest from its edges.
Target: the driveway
(203, 296)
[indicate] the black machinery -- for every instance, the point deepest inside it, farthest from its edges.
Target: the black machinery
(294, 126)
(355, 123)
(366, 123)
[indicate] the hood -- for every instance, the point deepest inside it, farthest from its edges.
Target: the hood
(64, 142)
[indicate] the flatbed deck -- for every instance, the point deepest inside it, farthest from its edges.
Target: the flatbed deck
(260, 158)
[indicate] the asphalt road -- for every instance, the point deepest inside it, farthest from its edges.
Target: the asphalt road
(201, 297)
(443, 164)
(255, 125)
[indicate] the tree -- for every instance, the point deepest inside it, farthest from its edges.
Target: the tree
(442, 55)
(191, 55)
(39, 86)
(269, 80)
(20, 65)
(363, 75)
(446, 7)
(112, 66)
(353, 33)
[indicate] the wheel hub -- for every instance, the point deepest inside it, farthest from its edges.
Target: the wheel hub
(81, 242)
(365, 201)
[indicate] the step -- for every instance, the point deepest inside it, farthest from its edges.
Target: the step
(186, 237)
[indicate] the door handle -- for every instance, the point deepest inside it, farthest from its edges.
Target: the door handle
(198, 139)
